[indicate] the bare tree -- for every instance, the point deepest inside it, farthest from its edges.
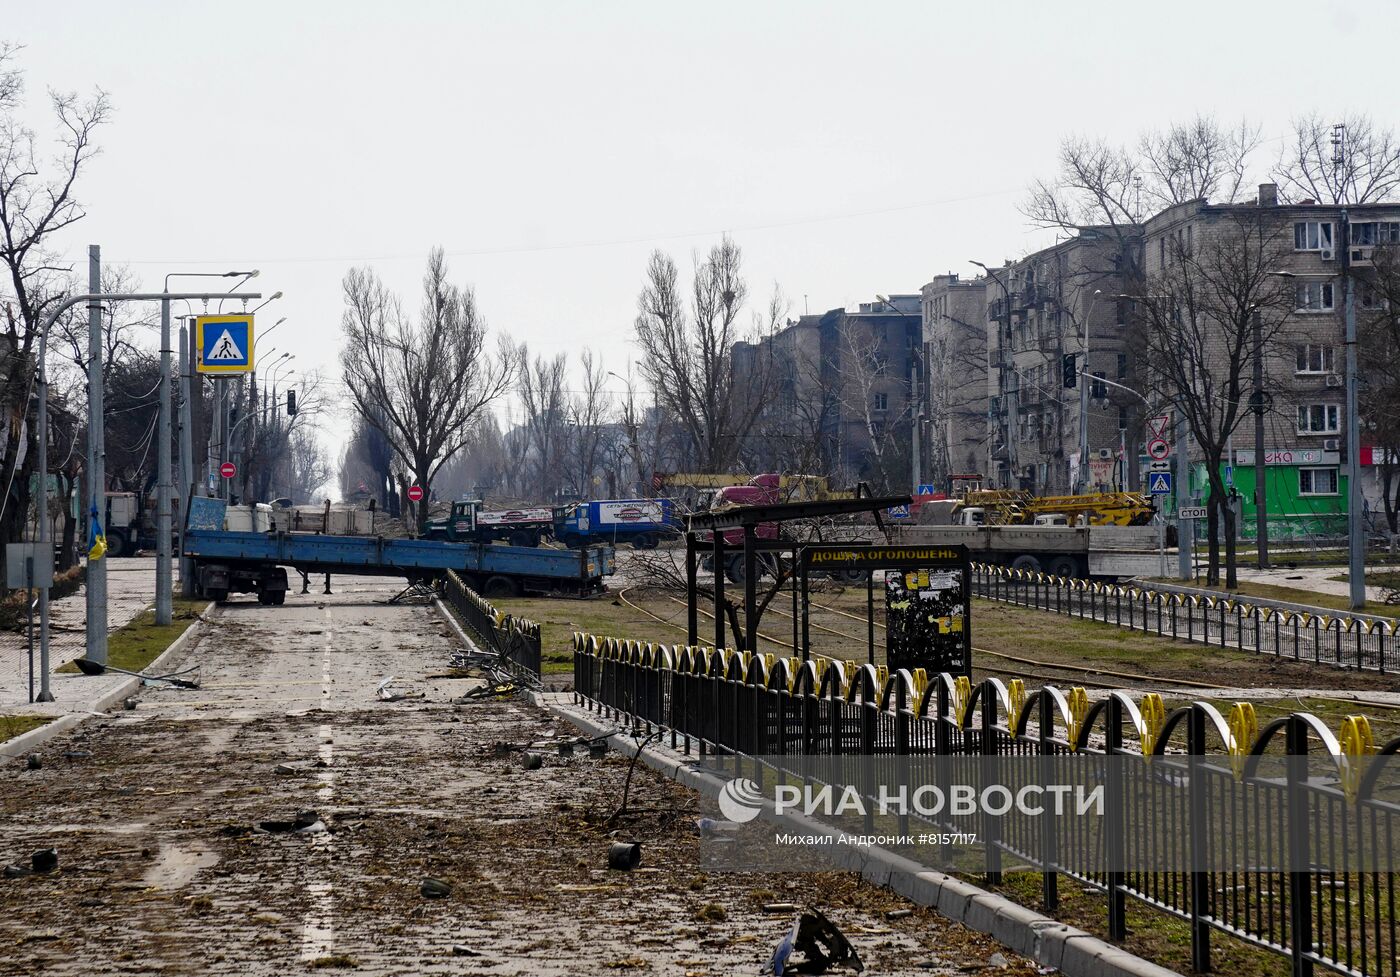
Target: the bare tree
(1362, 168)
(310, 465)
(1196, 335)
(687, 353)
(1195, 160)
(36, 201)
(1379, 335)
(866, 392)
(541, 389)
(422, 383)
(588, 412)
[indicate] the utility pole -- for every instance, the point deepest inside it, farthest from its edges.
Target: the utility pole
(1261, 515)
(96, 628)
(186, 461)
(1356, 521)
(164, 582)
(1084, 382)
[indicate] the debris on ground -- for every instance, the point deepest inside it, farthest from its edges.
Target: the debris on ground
(821, 944)
(435, 888)
(624, 856)
(386, 693)
(44, 860)
(34, 762)
(304, 822)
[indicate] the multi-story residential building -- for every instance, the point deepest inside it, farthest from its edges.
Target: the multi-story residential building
(1064, 300)
(841, 382)
(1303, 352)
(955, 359)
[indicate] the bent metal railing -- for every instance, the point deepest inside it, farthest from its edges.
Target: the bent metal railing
(1339, 640)
(516, 638)
(713, 700)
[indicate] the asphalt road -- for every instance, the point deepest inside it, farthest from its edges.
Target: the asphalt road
(165, 867)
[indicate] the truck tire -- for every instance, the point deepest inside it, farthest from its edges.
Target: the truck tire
(522, 538)
(639, 541)
(734, 569)
(499, 586)
(1063, 566)
(279, 598)
(850, 576)
(218, 595)
(1026, 562)
(116, 542)
(572, 540)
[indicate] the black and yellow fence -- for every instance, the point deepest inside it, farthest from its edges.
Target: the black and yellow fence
(516, 639)
(1210, 799)
(1339, 640)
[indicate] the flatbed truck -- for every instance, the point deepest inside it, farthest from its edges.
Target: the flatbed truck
(255, 562)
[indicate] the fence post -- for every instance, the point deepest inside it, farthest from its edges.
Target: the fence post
(1117, 880)
(1049, 874)
(991, 834)
(1200, 880)
(1299, 877)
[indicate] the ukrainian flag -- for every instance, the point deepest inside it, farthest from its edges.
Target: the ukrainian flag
(98, 537)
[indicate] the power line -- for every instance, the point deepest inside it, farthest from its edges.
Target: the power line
(583, 245)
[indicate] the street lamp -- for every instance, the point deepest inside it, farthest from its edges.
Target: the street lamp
(1008, 395)
(271, 298)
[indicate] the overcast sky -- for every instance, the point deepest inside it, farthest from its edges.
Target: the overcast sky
(850, 148)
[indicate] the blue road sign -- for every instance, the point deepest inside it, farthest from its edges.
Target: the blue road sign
(927, 489)
(1159, 483)
(899, 512)
(225, 343)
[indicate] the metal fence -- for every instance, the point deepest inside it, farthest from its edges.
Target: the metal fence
(1340, 640)
(515, 639)
(1342, 920)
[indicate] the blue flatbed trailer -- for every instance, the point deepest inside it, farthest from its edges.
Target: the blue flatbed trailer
(254, 562)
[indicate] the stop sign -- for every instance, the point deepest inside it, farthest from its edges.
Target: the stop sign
(415, 493)
(228, 469)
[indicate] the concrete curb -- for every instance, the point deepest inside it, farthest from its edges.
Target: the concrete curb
(14, 748)
(1047, 941)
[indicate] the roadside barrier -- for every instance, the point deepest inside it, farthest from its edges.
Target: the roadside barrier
(1337, 639)
(516, 639)
(1199, 766)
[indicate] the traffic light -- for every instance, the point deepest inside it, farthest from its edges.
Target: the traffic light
(291, 403)
(1069, 369)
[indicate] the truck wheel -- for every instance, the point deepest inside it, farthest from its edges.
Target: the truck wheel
(734, 569)
(522, 538)
(653, 541)
(572, 541)
(1026, 562)
(218, 595)
(499, 586)
(279, 597)
(639, 541)
(850, 576)
(116, 542)
(1064, 566)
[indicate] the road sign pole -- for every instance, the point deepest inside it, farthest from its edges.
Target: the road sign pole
(186, 460)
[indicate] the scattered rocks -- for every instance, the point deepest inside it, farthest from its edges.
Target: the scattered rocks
(462, 950)
(77, 755)
(34, 762)
(303, 821)
(285, 770)
(998, 960)
(899, 913)
(44, 860)
(531, 760)
(432, 888)
(129, 703)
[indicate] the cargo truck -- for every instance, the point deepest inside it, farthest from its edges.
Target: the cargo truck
(641, 522)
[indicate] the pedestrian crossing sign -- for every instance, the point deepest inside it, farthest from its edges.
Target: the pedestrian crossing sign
(1159, 483)
(225, 343)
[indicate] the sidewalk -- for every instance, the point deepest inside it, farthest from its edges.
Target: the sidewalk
(131, 588)
(1315, 579)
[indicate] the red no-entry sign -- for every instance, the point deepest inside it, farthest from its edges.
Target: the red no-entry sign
(415, 493)
(228, 469)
